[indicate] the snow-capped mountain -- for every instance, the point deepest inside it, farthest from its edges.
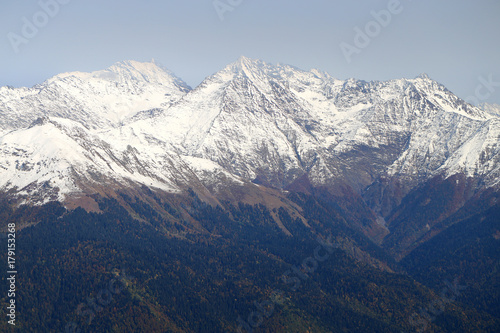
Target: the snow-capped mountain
(251, 121)
(277, 123)
(98, 99)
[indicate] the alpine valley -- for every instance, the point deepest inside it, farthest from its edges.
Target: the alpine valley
(266, 199)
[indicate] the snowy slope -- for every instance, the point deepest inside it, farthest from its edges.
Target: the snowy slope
(55, 157)
(98, 99)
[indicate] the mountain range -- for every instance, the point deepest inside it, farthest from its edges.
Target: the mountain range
(401, 161)
(250, 123)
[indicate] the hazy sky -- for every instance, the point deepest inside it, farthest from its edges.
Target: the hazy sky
(456, 42)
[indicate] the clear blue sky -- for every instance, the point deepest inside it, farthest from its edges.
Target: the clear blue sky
(454, 41)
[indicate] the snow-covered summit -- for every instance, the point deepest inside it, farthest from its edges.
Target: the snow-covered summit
(423, 76)
(98, 99)
(125, 72)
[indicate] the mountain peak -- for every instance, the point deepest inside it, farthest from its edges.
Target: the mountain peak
(243, 58)
(126, 71)
(145, 70)
(139, 66)
(423, 76)
(247, 64)
(98, 99)
(253, 69)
